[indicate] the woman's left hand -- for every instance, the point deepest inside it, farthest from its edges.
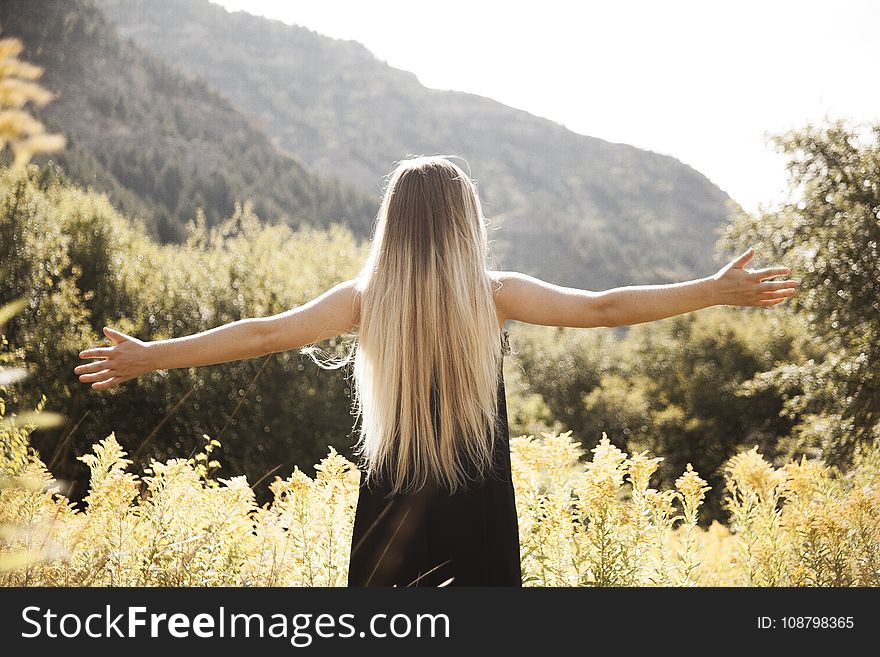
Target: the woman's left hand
(737, 286)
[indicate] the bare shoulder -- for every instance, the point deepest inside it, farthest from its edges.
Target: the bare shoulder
(502, 277)
(507, 287)
(351, 291)
(507, 282)
(343, 301)
(335, 311)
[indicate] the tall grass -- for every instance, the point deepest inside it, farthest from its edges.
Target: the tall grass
(594, 522)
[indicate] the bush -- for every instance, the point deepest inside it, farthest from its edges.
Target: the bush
(597, 523)
(80, 265)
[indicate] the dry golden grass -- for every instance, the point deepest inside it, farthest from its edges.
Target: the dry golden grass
(19, 131)
(582, 523)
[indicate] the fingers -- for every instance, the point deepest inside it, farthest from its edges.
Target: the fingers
(95, 366)
(96, 376)
(770, 294)
(114, 335)
(776, 294)
(108, 383)
(96, 352)
(770, 272)
(777, 285)
(98, 373)
(741, 261)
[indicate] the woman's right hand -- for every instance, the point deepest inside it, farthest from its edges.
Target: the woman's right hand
(128, 358)
(737, 286)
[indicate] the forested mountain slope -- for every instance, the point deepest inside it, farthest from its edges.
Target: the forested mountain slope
(575, 209)
(160, 141)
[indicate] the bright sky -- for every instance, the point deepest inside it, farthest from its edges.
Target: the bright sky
(699, 80)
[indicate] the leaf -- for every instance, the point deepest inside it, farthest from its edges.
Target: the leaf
(9, 310)
(10, 375)
(42, 419)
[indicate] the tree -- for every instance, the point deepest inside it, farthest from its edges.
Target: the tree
(828, 232)
(675, 387)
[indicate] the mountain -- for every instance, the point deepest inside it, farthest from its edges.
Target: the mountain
(574, 209)
(159, 141)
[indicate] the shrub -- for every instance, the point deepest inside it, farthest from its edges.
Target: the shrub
(593, 523)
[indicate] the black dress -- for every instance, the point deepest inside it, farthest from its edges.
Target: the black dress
(429, 537)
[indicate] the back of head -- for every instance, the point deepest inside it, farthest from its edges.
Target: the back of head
(428, 346)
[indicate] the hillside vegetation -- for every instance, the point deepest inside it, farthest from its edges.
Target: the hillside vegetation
(162, 143)
(597, 522)
(573, 209)
(80, 264)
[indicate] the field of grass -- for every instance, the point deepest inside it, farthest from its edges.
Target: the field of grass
(594, 522)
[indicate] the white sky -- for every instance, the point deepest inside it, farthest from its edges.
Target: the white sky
(699, 80)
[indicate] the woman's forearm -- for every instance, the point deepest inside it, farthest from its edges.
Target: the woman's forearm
(636, 304)
(237, 340)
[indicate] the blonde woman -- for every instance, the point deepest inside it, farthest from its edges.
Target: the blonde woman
(436, 501)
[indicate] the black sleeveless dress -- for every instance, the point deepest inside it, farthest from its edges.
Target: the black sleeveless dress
(427, 538)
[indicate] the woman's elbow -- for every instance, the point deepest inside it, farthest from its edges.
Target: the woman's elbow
(266, 336)
(604, 313)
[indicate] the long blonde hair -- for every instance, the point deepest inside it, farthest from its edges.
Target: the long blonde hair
(428, 347)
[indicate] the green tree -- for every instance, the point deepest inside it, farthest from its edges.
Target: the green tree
(690, 375)
(677, 387)
(828, 232)
(79, 265)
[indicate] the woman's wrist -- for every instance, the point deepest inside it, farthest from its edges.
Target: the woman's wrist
(153, 356)
(713, 292)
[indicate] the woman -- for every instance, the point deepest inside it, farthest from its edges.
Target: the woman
(436, 502)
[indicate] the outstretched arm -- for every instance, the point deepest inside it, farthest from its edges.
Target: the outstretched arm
(531, 300)
(333, 313)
